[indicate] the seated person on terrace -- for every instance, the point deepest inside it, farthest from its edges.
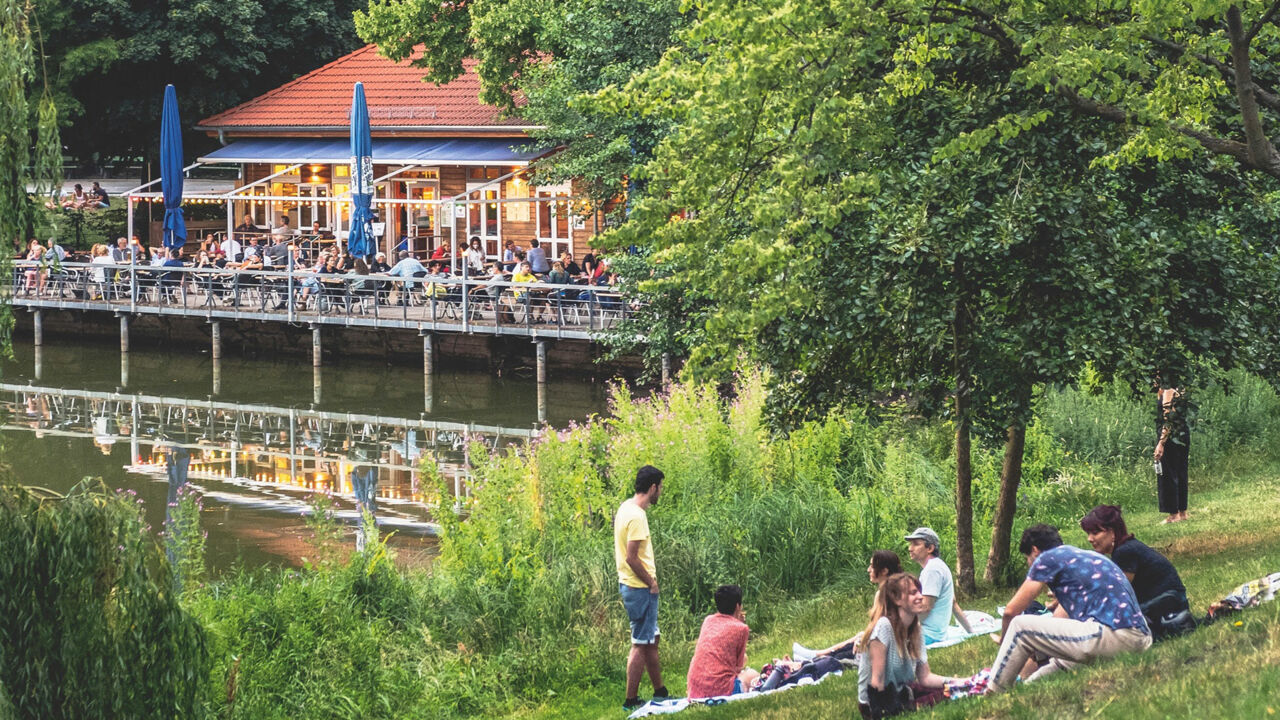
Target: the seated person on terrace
(319, 233)
(1097, 617)
(523, 274)
(719, 665)
(77, 200)
(407, 267)
(441, 252)
(247, 226)
(380, 264)
(231, 248)
(253, 249)
(311, 283)
(571, 267)
(558, 276)
(99, 196)
(538, 258)
(1155, 581)
(884, 563)
(282, 227)
(440, 271)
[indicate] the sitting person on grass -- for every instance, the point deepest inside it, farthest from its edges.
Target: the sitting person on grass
(884, 563)
(939, 590)
(719, 665)
(1097, 617)
(1155, 581)
(895, 660)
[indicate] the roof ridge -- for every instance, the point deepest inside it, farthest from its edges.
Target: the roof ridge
(277, 90)
(320, 98)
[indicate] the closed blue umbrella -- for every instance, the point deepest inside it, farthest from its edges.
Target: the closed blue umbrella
(175, 228)
(360, 241)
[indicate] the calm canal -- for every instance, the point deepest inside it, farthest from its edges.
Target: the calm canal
(262, 446)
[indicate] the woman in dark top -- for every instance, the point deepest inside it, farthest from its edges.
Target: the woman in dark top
(1155, 581)
(1173, 441)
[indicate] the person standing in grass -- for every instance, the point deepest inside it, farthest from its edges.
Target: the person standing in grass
(719, 664)
(1098, 615)
(638, 583)
(937, 586)
(1172, 453)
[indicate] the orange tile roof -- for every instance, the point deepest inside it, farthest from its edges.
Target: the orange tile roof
(397, 95)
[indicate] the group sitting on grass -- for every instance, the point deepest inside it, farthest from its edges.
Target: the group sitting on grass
(1116, 598)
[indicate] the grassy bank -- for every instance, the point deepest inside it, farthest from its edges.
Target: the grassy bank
(1221, 671)
(520, 615)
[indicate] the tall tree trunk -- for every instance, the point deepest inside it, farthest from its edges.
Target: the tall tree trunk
(964, 468)
(1007, 503)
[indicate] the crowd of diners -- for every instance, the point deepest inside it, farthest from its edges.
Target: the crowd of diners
(320, 262)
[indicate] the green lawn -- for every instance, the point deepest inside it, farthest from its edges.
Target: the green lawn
(1228, 670)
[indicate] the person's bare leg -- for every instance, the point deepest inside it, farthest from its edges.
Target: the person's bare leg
(652, 665)
(635, 668)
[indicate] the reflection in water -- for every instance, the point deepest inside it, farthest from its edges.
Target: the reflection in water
(260, 446)
(263, 457)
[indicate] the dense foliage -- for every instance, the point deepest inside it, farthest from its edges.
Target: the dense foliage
(522, 603)
(108, 62)
(543, 61)
(89, 624)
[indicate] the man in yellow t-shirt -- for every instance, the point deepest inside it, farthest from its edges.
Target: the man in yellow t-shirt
(638, 583)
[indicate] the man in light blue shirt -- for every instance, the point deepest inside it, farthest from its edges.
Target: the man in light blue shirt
(936, 586)
(407, 267)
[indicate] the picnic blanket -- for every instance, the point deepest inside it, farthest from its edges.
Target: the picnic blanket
(675, 705)
(981, 623)
(1250, 594)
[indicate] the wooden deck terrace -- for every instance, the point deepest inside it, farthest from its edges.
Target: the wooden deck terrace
(448, 304)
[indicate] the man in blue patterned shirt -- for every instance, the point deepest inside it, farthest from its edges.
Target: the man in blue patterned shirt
(1097, 616)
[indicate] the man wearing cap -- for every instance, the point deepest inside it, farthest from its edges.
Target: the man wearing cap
(936, 585)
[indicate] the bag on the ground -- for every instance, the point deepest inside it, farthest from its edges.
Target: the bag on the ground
(1169, 615)
(892, 700)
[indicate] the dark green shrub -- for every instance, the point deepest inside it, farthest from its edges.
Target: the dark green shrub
(89, 624)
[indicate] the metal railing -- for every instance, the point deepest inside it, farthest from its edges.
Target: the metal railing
(431, 302)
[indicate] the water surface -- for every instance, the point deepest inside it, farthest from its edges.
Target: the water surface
(262, 446)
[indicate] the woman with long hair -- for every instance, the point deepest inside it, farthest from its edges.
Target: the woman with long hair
(895, 657)
(884, 563)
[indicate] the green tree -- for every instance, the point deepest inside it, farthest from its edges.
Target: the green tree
(108, 62)
(25, 122)
(543, 61)
(1178, 79)
(962, 240)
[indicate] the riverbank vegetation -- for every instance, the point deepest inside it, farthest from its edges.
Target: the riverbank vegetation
(520, 610)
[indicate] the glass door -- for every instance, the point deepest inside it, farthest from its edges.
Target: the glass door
(483, 219)
(554, 231)
(310, 207)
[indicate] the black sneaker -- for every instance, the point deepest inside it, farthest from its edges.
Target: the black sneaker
(660, 694)
(633, 704)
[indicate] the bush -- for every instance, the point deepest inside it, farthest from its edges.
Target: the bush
(89, 624)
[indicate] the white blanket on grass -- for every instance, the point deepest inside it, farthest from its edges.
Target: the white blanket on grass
(675, 705)
(981, 623)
